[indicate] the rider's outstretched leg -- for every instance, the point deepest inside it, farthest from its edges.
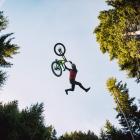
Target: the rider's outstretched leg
(81, 86)
(70, 89)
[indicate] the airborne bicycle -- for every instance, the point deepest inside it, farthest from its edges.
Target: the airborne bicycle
(58, 66)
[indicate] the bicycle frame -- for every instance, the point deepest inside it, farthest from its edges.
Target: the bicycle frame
(61, 63)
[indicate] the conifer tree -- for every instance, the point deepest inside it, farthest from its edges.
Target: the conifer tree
(110, 132)
(125, 107)
(27, 124)
(117, 34)
(79, 136)
(7, 49)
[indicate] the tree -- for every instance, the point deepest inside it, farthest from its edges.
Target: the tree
(26, 124)
(8, 121)
(117, 34)
(109, 132)
(79, 136)
(3, 21)
(128, 112)
(7, 49)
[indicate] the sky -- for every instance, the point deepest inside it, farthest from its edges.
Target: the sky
(38, 25)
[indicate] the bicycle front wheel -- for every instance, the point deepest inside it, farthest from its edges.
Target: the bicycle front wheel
(56, 69)
(59, 49)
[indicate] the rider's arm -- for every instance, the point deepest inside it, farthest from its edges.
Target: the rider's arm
(69, 68)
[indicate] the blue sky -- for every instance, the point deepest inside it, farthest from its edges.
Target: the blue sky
(38, 25)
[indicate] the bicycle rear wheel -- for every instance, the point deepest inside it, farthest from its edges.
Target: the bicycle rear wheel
(56, 69)
(59, 49)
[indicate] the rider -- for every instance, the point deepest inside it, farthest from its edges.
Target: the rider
(72, 76)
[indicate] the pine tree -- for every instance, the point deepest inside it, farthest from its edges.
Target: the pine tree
(117, 34)
(3, 21)
(109, 132)
(79, 136)
(27, 124)
(125, 107)
(7, 49)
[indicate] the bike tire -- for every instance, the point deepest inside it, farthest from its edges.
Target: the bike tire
(56, 69)
(58, 46)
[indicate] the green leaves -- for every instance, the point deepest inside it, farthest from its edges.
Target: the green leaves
(7, 49)
(3, 21)
(115, 35)
(26, 124)
(79, 136)
(124, 103)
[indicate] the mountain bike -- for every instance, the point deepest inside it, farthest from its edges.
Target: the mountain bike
(58, 66)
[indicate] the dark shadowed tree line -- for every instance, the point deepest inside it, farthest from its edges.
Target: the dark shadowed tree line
(29, 122)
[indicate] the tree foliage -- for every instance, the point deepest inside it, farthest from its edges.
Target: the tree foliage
(3, 21)
(120, 93)
(7, 49)
(27, 124)
(79, 136)
(110, 132)
(116, 34)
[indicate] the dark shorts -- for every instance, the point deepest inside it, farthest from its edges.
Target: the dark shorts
(72, 81)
